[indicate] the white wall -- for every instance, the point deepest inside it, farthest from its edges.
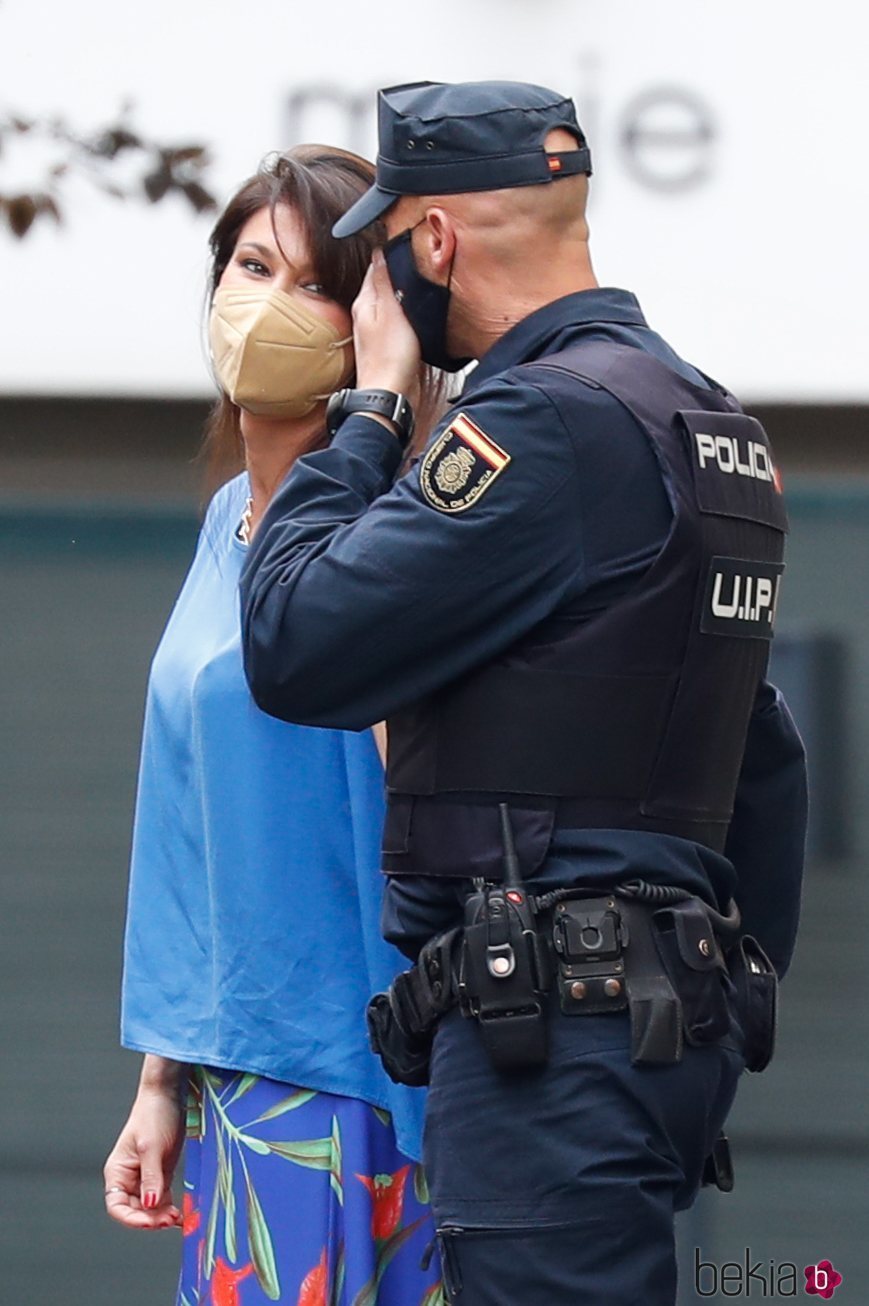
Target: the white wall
(743, 226)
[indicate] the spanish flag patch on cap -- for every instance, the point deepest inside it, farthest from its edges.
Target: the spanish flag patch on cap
(460, 466)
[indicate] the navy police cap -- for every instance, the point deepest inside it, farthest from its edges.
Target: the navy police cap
(437, 138)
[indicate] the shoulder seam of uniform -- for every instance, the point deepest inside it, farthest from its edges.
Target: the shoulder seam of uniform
(554, 406)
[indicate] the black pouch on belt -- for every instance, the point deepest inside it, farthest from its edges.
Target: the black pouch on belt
(696, 968)
(405, 1057)
(607, 960)
(401, 1022)
(589, 937)
(756, 985)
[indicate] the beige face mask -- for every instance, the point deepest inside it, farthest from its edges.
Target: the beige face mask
(272, 355)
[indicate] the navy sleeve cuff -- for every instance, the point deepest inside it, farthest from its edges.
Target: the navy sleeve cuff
(369, 439)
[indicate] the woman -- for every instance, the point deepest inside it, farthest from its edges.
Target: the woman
(252, 937)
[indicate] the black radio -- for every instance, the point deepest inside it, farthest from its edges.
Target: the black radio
(504, 968)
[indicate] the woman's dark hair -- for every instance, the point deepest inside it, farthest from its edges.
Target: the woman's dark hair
(320, 183)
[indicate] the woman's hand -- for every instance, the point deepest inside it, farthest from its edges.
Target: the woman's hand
(139, 1170)
(387, 350)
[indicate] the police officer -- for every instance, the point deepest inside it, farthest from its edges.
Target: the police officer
(564, 613)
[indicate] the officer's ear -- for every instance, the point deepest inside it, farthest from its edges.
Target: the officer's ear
(439, 242)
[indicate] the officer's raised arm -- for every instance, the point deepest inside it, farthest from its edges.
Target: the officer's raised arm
(357, 597)
(360, 596)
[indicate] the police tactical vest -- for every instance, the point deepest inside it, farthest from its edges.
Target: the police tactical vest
(635, 718)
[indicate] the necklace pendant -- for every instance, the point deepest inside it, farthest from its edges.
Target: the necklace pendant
(244, 524)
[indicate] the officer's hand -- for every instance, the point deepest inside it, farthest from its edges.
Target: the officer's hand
(387, 350)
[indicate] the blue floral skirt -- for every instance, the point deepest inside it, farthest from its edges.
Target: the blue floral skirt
(300, 1197)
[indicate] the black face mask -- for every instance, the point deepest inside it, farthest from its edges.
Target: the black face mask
(425, 303)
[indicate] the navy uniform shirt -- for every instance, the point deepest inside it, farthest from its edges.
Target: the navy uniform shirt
(361, 596)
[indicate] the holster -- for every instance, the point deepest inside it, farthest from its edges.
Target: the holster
(756, 998)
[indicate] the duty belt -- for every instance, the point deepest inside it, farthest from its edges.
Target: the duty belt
(656, 950)
(653, 950)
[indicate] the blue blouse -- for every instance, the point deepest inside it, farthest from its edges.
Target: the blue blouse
(252, 938)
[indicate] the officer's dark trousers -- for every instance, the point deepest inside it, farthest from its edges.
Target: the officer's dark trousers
(558, 1187)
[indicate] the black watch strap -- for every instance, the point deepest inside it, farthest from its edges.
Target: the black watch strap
(385, 403)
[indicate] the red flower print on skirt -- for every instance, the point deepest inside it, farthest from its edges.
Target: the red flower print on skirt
(190, 1216)
(225, 1281)
(315, 1285)
(388, 1193)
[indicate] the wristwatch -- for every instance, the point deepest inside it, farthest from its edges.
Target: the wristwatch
(386, 403)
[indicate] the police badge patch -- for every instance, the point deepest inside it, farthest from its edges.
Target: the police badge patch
(461, 464)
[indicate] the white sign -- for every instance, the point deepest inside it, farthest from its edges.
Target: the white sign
(731, 191)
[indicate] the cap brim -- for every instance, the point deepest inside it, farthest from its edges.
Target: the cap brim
(365, 211)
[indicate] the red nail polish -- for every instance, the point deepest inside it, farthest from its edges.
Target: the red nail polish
(150, 1201)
